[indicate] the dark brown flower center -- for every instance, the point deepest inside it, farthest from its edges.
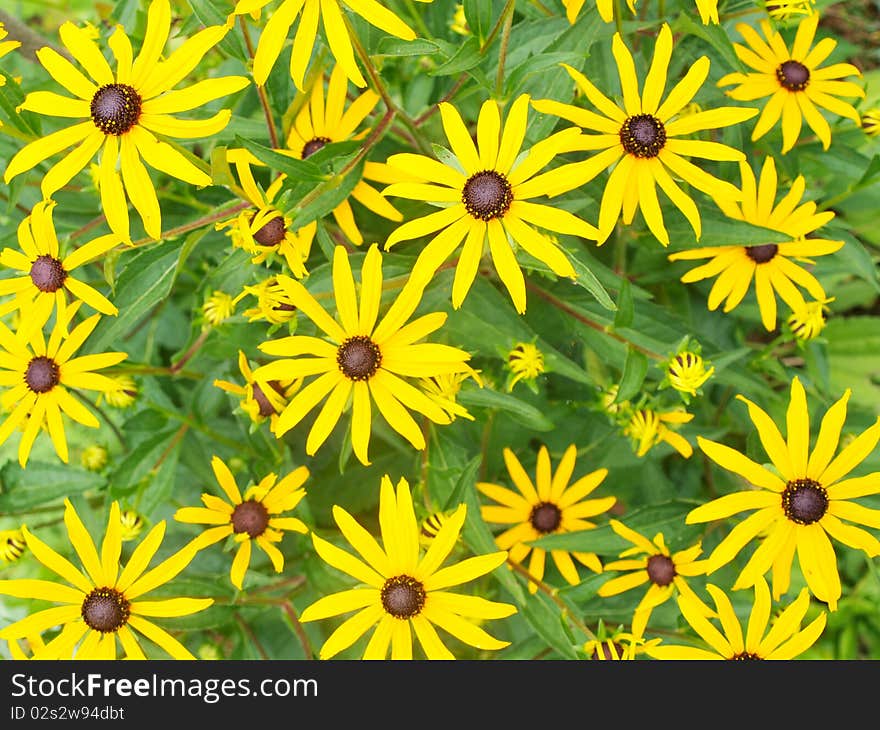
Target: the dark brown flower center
(661, 570)
(545, 517)
(487, 195)
(359, 358)
(250, 517)
(403, 597)
(272, 233)
(643, 135)
(804, 501)
(313, 145)
(793, 76)
(745, 656)
(42, 374)
(105, 610)
(47, 273)
(763, 253)
(116, 108)
(266, 407)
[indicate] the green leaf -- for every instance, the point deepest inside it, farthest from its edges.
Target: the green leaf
(546, 618)
(41, 484)
(719, 231)
(390, 46)
(714, 35)
(466, 57)
(587, 279)
(625, 310)
(635, 368)
(523, 412)
(232, 43)
(139, 462)
(159, 488)
(286, 164)
(331, 194)
(479, 16)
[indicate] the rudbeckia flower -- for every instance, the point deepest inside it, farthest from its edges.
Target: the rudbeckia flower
(640, 140)
(259, 399)
(362, 361)
(402, 588)
(794, 80)
(485, 193)
(252, 518)
(5, 47)
(272, 302)
(100, 602)
(648, 427)
(771, 265)
(785, 639)
(799, 504)
(708, 9)
(46, 278)
(38, 374)
(547, 506)
(123, 113)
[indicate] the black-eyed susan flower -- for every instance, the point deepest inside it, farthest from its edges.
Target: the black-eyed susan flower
(273, 304)
(871, 122)
(788, 9)
(794, 80)
(547, 506)
(123, 113)
(363, 361)
(132, 524)
(444, 390)
(123, 394)
(771, 265)
(708, 9)
(640, 140)
(785, 639)
(94, 457)
(252, 518)
(648, 427)
(5, 48)
(808, 321)
(686, 372)
(12, 545)
(616, 645)
(485, 193)
(101, 603)
(336, 30)
(432, 524)
(525, 362)
(402, 588)
(217, 308)
(46, 279)
(38, 374)
(801, 504)
(665, 572)
(260, 399)
(320, 123)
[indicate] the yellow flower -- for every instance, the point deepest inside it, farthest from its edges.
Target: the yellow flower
(273, 304)
(124, 112)
(132, 524)
(443, 390)
(648, 428)
(101, 603)
(871, 122)
(336, 30)
(38, 374)
(46, 279)
(486, 194)
(793, 80)
(784, 640)
(769, 264)
(459, 21)
(526, 362)
(363, 361)
(619, 645)
(548, 506)
(687, 372)
(432, 524)
(252, 518)
(94, 458)
(403, 588)
(800, 504)
(123, 393)
(708, 9)
(12, 545)
(807, 322)
(640, 140)
(260, 399)
(664, 571)
(5, 47)
(788, 9)
(218, 307)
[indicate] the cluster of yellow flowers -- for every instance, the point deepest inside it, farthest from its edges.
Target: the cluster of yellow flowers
(367, 354)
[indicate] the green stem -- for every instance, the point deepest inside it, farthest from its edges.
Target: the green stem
(187, 227)
(414, 13)
(502, 53)
(261, 90)
(508, 8)
(293, 620)
(618, 16)
(210, 433)
(104, 417)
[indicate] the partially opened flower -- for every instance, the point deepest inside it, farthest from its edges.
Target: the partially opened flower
(800, 504)
(547, 506)
(101, 601)
(123, 113)
(402, 587)
(640, 141)
(252, 518)
(648, 427)
(260, 399)
(6, 47)
(796, 82)
(808, 321)
(485, 193)
(359, 361)
(785, 639)
(12, 545)
(273, 304)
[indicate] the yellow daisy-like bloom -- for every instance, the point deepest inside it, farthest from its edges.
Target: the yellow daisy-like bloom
(526, 362)
(94, 458)
(12, 545)
(38, 374)
(218, 307)
(788, 9)
(101, 603)
(785, 639)
(123, 393)
(403, 587)
(443, 390)
(620, 645)
(666, 572)
(336, 30)
(687, 372)
(806, 323)
(266, 231)
(708, 9)
(793, 80)
(871, 122)
(132, 524)
(273, 305)
(124, 112)
(319, 123)
(486, 193)
(363, 360)
(639, 139)
(6, 47)
(261, 399)
(771, 265)
(801, 504)
(547, 506)
(249, 519)
(459, 21)
(648, 428)
(47, 278)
